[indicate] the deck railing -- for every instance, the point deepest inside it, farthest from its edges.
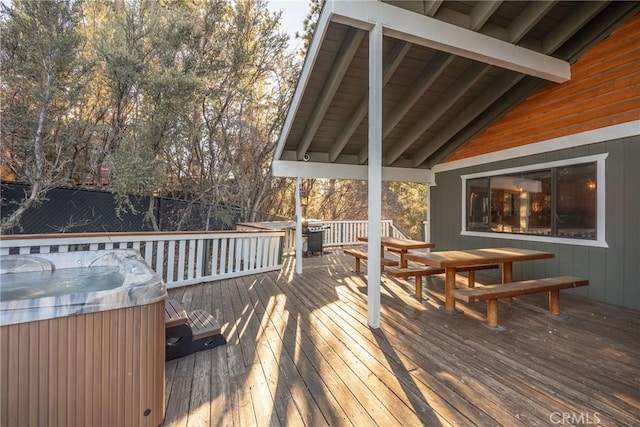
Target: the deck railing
(181, 259)
(337, 233)
(341, 233)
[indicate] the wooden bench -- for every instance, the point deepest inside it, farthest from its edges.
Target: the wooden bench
(418, 272)
(189, 333)
(492, 293)
(361, 255)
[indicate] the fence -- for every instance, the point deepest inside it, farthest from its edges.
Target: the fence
(74, 210)
(179, 258)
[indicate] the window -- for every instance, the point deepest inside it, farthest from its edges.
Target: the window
(556, 200)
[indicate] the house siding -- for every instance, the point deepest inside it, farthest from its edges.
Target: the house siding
(604, 90)
(613, 271)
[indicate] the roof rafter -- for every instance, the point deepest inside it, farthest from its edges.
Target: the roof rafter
(471, 75)
(416, 89)
(571, 25)
(432, 6)
(527, 19)
(473, 110)
(481, 12)
(341, 64)
(390, 65)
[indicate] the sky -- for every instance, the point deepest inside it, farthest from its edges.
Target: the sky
(293, 14)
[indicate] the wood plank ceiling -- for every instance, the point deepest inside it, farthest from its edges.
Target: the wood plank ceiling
(434, 101)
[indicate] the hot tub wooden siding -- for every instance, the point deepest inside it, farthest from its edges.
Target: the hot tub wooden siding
(99, 369)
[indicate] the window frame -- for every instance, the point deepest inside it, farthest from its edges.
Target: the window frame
(600, 241)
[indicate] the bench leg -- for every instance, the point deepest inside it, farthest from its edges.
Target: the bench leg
(472, 279)
(554, 302)
(357, 265)
(492, 316)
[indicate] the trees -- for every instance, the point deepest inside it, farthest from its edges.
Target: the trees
(175, 98)
(41, 91)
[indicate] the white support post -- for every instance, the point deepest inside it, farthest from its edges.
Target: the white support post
(427, 229)
(375, 175)
(298, 227)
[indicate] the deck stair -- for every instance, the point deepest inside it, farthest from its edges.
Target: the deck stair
(189, 333)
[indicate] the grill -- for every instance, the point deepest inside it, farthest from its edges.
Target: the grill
(314, 237)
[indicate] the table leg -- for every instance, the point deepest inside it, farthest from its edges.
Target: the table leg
(449, 285)
(403, 260)
(418, 294)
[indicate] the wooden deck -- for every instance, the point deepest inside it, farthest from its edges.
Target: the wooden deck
(300, 352)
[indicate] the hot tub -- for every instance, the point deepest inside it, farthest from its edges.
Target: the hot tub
(82, 339)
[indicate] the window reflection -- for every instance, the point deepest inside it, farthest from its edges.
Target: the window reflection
(552, 202)
(576, 201)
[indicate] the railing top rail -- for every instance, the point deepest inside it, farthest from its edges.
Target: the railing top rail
(359, 221)
(145, 234)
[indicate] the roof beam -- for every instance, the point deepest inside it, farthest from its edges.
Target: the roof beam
(471, 75)
(293, 169)
(347, 50)
(493, 92)
(435, 34)
(416, 89)
(391, 63)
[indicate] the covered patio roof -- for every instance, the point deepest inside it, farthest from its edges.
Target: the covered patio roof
(449, 69)
(390, 89)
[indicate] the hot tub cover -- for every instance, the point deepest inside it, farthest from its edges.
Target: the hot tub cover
(135, 284)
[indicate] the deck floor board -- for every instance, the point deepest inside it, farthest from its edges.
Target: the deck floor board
(300, 353)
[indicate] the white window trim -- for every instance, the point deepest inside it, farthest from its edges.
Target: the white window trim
(600, 195)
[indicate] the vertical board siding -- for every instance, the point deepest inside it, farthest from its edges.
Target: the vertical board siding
(98, 369)
(612, 272)
(604, 90)
(628, 270)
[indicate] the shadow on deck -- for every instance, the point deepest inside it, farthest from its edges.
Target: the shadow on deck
(300, 352)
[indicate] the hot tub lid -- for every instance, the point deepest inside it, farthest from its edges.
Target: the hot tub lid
(45, 286)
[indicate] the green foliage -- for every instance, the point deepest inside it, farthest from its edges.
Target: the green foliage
(180, 98)
(403, 202)
(310, 23)
(406, 204)
(41, 89)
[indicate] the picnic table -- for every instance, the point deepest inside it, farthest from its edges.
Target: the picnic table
(402, 246)
(452, 260)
